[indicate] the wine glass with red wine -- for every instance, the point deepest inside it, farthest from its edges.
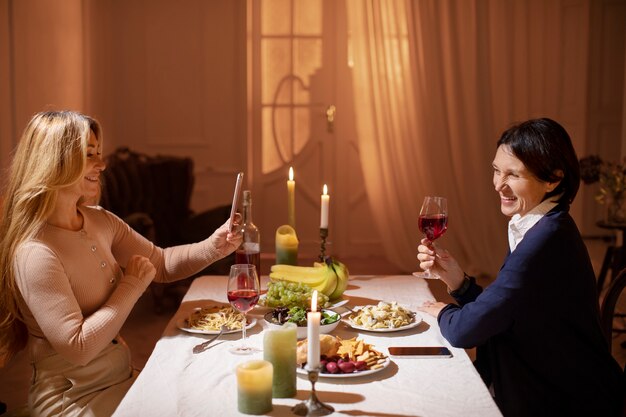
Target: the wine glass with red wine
(243, 294)
(433, 222)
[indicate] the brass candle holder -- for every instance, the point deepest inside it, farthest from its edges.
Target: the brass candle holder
(312, 406)
(323, 236)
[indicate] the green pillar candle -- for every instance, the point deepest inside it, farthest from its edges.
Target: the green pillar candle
(254, 387)
(279, 348)
(286, 245)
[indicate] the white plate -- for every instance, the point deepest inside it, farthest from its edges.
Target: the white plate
(302, 330)
(417, 318)
(336, 304)
(385, 364)
(183, 325)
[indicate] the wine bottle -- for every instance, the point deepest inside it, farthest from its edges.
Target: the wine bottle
(250, 250)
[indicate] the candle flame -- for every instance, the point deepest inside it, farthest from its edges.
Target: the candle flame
(290, 173)
(325, 190)
(314, 301)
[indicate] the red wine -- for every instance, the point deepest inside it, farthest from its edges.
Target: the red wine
(243, 300)
(433, 225)
(243, 256)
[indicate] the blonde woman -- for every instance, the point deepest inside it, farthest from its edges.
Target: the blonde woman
(71, 273)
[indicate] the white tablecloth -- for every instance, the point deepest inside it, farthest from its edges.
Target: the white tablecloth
(176, 382)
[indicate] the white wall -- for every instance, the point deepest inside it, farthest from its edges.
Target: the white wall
(161, 76)
(169, 77)
(605, 98)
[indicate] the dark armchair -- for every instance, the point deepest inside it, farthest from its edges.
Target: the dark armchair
(152, 194)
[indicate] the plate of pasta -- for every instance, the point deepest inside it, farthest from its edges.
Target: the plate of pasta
(383, 317)
(209, 320)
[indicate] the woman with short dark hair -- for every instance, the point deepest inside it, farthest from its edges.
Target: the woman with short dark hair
(540, 347)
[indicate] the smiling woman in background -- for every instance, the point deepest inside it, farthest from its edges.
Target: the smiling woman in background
(540, 347)
(71, 273)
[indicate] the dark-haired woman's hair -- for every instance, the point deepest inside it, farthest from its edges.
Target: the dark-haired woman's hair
(546, 150)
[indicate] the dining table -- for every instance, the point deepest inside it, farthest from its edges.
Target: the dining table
(177, 382)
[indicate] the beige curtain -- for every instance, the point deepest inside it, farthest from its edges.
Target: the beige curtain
(437, 81)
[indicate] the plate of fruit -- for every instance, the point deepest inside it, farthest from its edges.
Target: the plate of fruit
(281, 315)
(349, 358)
(292, 285)
(292, 294)
(337, 367)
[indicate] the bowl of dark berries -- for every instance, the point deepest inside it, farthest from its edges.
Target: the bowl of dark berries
(281, 315)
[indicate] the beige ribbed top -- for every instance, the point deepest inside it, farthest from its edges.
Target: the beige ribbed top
(76, 295)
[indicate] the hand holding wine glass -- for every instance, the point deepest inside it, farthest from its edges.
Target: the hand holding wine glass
(433, 222)
(243, 294)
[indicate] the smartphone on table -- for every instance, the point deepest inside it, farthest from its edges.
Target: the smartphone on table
(421, 351)
(236, 197)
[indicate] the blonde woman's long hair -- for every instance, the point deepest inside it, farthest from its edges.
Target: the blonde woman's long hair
(51, 155)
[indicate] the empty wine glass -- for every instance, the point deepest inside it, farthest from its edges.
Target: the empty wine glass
(243, 294)
(433, 222)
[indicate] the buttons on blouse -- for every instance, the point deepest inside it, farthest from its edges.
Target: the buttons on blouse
(103, 264)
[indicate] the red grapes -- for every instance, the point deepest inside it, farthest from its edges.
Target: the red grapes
(337, 364)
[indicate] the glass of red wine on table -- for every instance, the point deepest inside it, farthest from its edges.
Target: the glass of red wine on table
(433, 222)
(243, 294)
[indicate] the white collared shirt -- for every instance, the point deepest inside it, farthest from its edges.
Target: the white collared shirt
(518, 225)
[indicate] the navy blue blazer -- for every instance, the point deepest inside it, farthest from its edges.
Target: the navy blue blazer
(537, 328)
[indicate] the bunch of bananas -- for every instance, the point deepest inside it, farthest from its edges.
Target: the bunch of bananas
(329, 277)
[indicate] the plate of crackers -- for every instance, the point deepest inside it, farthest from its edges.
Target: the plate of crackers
(344, 358)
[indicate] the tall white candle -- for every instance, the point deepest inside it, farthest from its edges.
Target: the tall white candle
(313, 335)
(291, 199)
(325, 204)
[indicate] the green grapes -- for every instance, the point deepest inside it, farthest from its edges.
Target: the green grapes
(292, 294)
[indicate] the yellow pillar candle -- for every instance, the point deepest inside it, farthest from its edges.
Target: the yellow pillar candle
(291, 199)
(254, 387)
(286, 245)
(279, 348)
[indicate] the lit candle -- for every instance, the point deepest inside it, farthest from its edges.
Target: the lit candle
(279, 348)
(254, 387)
(325, 204)
(291, 199)
(313, 335)
(286, 245)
